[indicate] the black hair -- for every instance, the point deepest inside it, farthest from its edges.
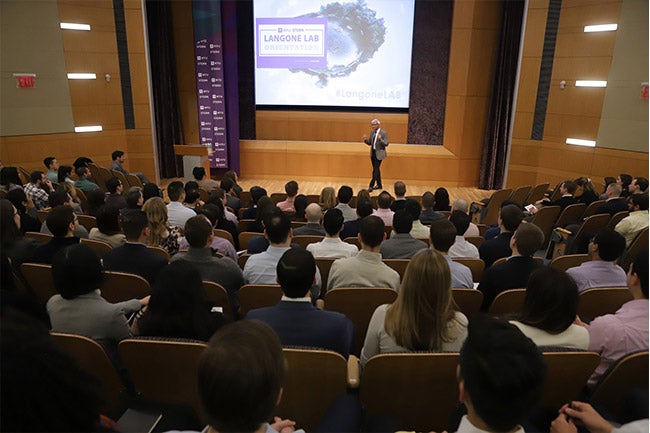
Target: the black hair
(211, 212)
(345, 194)
(640, 200)
(626, 180)
(108, 220)
(372, 230)
(9, 175)
(551, 300)
(77, 270)
(58, 197)
(364, 209)
(9, 232)
(640, 268)
(35, 176)
(48, 161)
(333, 221)
(503, 372)
(95, 198)
(64, 171)
(460, 220)
(226, 184)
(642, 182)
(443, 234)
(256, 193)
(197, 231)
(611, 244)
(112, 184)
(402, 221)
(59, 219)
(300, 204)
(529, 238)
(82, 161)
(291, 188)
(192, 195)
(133, 222)
(264, 206)
(384, 200)
(442, 199)
(198, 173)
(277, 226)
(296, 270)
(151, 190)
(116, 154)
(175, 190)
(413, 207)
(511, 215)
(17, 196)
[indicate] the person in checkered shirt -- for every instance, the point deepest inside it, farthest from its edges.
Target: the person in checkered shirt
(38, 188)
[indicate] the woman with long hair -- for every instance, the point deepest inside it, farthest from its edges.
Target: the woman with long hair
(300, 205)
(9, 179)
(364, 195)
(232, 175)
(108, 227)
(588, 194)
(14, 245)
(178, 307)
(442, 200)
(549, 311)
(25, 206)
(264, 206)
(327, 199)
(161, 234)
(424, 316)
(65, 171)
(96, 199)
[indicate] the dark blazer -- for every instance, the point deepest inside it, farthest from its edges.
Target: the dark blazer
(350, 229)
(45, 253)
(512, 274)
(495, 248)
(398, 205)
(612, 206)
(249, 213)
(562, 202)
(309, 229)
(134, 258)
(302, 324)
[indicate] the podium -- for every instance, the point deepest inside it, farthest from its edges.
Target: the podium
(194, 155)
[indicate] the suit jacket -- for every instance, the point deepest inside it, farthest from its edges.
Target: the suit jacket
(382, 143)
(398, 204)
(612, 206)
(301, 324)
(134, 258)
(493, 249)
(309, 229)
(512, 274)
(46, 252)
(563, 202)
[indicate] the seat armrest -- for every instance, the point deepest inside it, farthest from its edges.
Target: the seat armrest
(353, 372)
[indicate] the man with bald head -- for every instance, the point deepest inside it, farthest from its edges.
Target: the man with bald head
(313, 213)
(461, 205)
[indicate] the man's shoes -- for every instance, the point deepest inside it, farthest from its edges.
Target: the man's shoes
(379, 187)
(369, 189)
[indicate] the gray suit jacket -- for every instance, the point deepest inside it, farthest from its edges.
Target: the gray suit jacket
(382, 143)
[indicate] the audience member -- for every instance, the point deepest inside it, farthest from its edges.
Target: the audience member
(549, 310)
(424, 315)
(264, 206)
(364, 195)
(461, 247)
(52, 166)
(134, 198)
(601, 270)
(64, 173)
(220, 198)
(96, 199)
(291, 188)
(442, 236)
(256, 193)
(442, 200)
(515, 271)
(206, 184)
(62, 222)
(84, 183)
(428, 215)
(401, 245)
(18, 248)
(62, 198)
(178, 307)
(177, 212)
(296, 321)
(23, 203)
(134, 257)
(419, 230)
(351, 228)
(583, 414)
(332, 246)
(399, 188)
(118, 159)
(219, 245)
(327, 198)
(606, 182)
(639, 185)
(198, 232)
(567, 190)
(462, 205)
(115, 190)
(614, 203)
(344, 196)
(151, 190)
(313, 227)
(79, 308)
(161, 234)
(624, 180)
(510, 217)
(585, 192)
(82, 161)
(192, 198)
(108, 227)
(38, 188)
(366, 268)
(615, 335)
(300, 205)
(632, 224)
(9, 179)
(232, 175)
(232, 201)
(384, 200)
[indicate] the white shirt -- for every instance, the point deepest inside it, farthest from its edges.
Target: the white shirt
(178, 214)
(467, 427)
(462, 248)
(332, 248)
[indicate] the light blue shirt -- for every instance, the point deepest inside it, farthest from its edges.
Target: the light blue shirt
(461, 275)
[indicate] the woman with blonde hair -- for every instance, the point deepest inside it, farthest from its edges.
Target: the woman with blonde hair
(424, 316)
(161, 233)
(327, 199)
(364, 195)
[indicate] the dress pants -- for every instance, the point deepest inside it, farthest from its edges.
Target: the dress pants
(375, 182)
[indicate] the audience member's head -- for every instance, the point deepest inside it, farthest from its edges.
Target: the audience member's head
(344, 194)
(371, 231)
(364, 195)
(19, 199)
(402, 222)
(192, 194)
(551, 300)
(501, 373)
(428, 200)
(608, 180)
(364, 209)
(442, 234)
(157, 215)
(114, 185)
(241, 374)
(51, 163)
(384, 200)
(638, 202)
(399, 189)
(117, 154)
(327, 199)
(9, 176)
(413, 207)
(624, 180)
(607, 244)
(198, 173)
(37, 177)
(264, 206)
(134, 225)
(232, 175)
(296, 271)
(82, 161)
(613, 190)
(527, 239)
(442, 199)
(300, 206)
(96, 199)
(277, 227)
(134, 198)
(291, 188)
(65, 171)
(151, 190)
(61, 221)
(313, 213)
(176, 191)
(639, 185)
(212, 212)
(9, 223)
(82, 172)
(256, 193)
(637, 275)
(108, 220)
(460, 220)
(76, 270)
(333, 222)
(198, 231)
(510, 217)
(59, 197)
(227, 184)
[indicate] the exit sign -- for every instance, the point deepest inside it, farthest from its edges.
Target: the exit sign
(25, 81)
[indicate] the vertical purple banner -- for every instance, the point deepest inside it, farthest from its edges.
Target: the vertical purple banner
(208, 55)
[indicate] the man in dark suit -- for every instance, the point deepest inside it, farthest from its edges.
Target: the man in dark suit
(62, 222)
(567, 189)
(514, 272)
(378, 141)
(493, 249)
(614, 203)
(134, 257)
(296, 321)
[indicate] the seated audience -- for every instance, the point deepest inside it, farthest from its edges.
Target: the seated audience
(585, 191)
(419, 230)
(639, 185)
(291, 188)
(204, 182)
(79, 308)
(118, 159)
(108, 227)
(423, 317)
(82, 161)
(134, 257)
(351, 228)
(219, 244)
(300, 205)
(332, 246)
(232, 201)
(96, 199)
(515, 271)
(178, 307)
(344, 196)
(624, 180)
(401, 245)
(399, 188)
(366, 268)
(84, 183)
(607, 180)
(232, 175)
(632, 224)
(615, 335)
(161, 233)
(52, 166)
(115, 190)
(601, 270)
(550, 308)
(501, 377)
(567, 189)
(264, 206)
(462, 205)
(364, 195)
(192, 198)
(62, 222)
(327, 198)
(313, 227)
(198, 232)
(9, 179)
(134, 198)
(428, 215)
(614, 203)
(384, 200)
(256, 193)
(38, 189)
(296, 321)
(220, 198)
(23, 203)
(151, 190)
(510, 217)
(461, 247)
(442, 200)
(64, 173)
(18, 248)
(177, 212)
(442, 236)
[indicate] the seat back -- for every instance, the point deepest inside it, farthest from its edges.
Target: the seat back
(477, 266)
(42, 214)
(100, 247)
(589, 227)
(277, 197)
(24, 175)
(597, 302)
(629, 372)
(537, 193)
(508, 301)
(591, 209)
(571, 214)
(92, 358)
(39, 237)
(304, 240)
(252, 296)
(87, 221)
(83, 201)
(97, 176)
(494, 206)
(324, 266)
(399, 265)
(569, 261)
(245, 237)
(241, 260)
(133, 180)
(218, 297)
(225, 234)
(616, 218)
(566, 375)
(544, 219)
(39, 279)
(122, 178)
(640, 243)
(353, 240)
(160, 251)
(314, 379)
(164, 371)
(520, 194)
(245, 199)
(104, 174)
(477, 241)
(419, 389)
(556, 194)
(468, 300)
(120, 286)
(358, 304)
(313, 198)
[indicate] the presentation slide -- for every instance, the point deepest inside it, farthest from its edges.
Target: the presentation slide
(333, 54)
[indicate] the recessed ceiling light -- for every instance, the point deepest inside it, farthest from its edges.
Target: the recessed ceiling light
(580, 142)
(81, 76)
(601, 28)
(75, 26)
(94, 128)
(591, 83)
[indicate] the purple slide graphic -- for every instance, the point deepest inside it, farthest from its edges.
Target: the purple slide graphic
(291, 42)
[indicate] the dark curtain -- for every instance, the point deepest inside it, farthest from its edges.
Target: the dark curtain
(495, 144)
(169, 128)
